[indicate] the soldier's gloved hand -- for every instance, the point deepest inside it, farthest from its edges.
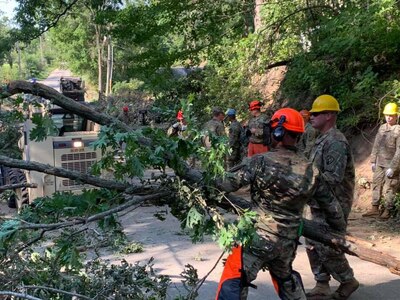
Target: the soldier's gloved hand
(389, 173)
(373, 167)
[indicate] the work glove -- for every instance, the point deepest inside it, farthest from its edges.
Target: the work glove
(373, 167)
(389, 173)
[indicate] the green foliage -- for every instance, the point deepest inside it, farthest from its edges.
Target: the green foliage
(6, 40)
(64, 205)
(9, 134)
(351, 57)
(242, 231)
(96, 278)
(122, 87)
(196, 208)
(44, 127)
(133, 247)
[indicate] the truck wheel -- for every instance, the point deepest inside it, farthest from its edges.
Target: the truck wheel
(11, 202)
(21, 195)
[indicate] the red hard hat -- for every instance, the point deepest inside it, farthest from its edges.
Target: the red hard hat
(179, 115)
(255, 105)
(293, 122)
(125, 108)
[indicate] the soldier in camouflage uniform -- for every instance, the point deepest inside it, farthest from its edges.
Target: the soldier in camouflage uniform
(333, 158)
(281, 181)
(214, 126)
(235, 131)
(126, 115)
(256, 128)
(307, 139)
(178, 128)
(385, 164)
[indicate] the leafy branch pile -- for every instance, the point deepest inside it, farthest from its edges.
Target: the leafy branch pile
(56, 232)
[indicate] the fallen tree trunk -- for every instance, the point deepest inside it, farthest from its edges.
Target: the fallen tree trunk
(60, 172)
(41, 90)
(17, 186)
(350, 245)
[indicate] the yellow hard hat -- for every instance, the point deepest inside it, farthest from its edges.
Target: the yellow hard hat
(325, 103)
(390, 109)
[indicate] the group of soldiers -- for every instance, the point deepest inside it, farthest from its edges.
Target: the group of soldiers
(303, 161)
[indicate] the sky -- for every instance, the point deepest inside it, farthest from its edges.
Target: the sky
(7, 6)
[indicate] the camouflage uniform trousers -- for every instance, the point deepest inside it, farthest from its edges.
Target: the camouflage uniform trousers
(234, 158)
(384, 187)
(324, 260)
(275, 254)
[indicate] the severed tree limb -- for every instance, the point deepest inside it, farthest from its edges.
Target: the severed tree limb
(19, 295)
(38, 89)
(78, 221)
(60, 172)
(56, 291)
(16, 186)
(350, 245)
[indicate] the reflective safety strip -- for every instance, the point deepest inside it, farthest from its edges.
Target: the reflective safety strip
(230, 284)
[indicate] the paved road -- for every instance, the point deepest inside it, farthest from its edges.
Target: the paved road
(172, 250)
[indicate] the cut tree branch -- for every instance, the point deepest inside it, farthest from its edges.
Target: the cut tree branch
(19, 295)
(60, 172)
(41, 90)
(350, 245)
(16, 186)
(79, 221)
(39, 287)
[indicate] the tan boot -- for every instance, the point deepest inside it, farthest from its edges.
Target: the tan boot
(385, 215)
(346, 289)
(373, 212)
(321, 291)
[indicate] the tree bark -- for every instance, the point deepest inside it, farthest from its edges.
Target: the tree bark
(99, 60)
(60, 172)
(257, 15)
(109, 66)
(350, 245)
(38, 89)
(17, 186)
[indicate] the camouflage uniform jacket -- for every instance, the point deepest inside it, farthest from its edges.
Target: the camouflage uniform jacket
(281, 182)
(386, 149)
(332, 156)
(307, 140)
(214, 126)
(176, 129)
(258, 124)
(235, 130)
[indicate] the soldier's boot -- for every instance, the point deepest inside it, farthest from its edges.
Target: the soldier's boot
(346, 289)
(373, 212)
(321, 291)
(385, 215)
